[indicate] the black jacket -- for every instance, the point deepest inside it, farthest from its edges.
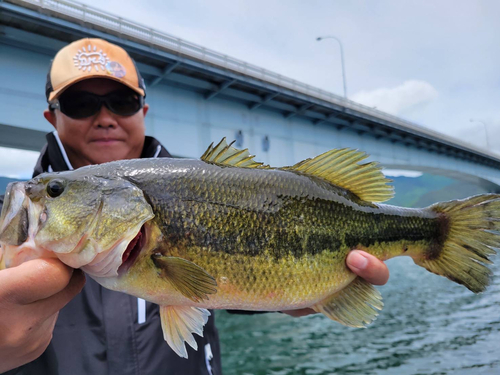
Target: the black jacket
(104, 332)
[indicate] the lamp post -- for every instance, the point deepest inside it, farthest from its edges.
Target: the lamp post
(341, 58)
(485, 131)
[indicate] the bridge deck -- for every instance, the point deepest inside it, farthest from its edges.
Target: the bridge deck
(162, 57)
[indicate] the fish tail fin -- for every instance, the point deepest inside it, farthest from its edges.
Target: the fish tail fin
(471, 232)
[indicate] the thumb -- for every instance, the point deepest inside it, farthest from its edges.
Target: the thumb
(368, 267)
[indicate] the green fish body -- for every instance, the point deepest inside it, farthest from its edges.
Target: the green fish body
(225, 232)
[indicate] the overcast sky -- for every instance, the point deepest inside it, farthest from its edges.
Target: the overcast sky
(436, 63)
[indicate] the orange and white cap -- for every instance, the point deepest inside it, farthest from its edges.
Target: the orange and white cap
(92, 58)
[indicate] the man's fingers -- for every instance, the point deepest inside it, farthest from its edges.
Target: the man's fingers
(51, 305)
(368, 267)
(34, 280)
(300, 312)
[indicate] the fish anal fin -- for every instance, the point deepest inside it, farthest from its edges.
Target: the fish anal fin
(189, 279)
(224, 154)
(340, 167)
(179, 323)
(356, 305)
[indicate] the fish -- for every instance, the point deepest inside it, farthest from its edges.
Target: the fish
(228, 232)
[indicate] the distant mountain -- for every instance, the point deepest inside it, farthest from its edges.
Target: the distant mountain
(428, 188)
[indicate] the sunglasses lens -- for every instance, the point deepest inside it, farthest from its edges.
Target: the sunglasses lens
(83, 104)
(79, 105)
(124, 103)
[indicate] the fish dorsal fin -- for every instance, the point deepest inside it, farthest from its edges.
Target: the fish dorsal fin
(340, 167)
(225, 154)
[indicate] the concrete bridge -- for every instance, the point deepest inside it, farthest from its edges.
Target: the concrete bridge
(198, 96)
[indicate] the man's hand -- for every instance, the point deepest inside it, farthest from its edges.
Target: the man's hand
(368, 267)
(362, 264)
(31, 296)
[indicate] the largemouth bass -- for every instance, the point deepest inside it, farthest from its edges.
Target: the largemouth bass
(226, 232)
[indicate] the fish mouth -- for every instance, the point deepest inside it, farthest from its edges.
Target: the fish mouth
(14, 222)
(133, 250)
(19, 223)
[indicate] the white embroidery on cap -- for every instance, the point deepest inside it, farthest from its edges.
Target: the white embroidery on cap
(87, 58)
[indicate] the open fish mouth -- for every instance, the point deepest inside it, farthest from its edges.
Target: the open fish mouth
(133, 250)
(14, 221)
(119, 258)
(19, 223)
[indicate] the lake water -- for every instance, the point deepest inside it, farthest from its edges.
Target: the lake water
(428, 325)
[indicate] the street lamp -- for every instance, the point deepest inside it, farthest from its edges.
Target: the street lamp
(341, 58)
(485, 131)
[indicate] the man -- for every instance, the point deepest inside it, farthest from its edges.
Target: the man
(48, 323)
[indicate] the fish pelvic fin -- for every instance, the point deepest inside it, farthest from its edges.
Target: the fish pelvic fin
(226, 154)
(356, 305)
(471, 233)
(340, 167)
(179, 323)
(189, 279)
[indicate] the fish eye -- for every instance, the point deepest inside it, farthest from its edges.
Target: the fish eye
(55, 188)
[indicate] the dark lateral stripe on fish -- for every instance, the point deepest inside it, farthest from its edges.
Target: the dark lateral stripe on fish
(206, 225)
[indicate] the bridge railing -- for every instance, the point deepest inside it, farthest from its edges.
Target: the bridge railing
(145, 35)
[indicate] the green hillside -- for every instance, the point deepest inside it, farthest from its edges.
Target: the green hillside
(427, 189)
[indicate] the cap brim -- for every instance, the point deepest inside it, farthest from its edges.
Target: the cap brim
(54, 94)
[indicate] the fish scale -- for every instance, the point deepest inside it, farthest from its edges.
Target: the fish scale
(230, 233)
(307, 236)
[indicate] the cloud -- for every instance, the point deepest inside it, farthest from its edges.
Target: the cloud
(385, 44)
(483, 132)
(400, 99)
(16, 163)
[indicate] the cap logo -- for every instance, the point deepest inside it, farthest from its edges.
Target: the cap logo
(87, 58)
(115, 69)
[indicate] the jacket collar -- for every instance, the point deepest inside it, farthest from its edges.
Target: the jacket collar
(53, 157)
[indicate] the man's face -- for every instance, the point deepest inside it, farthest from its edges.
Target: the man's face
(102, 137)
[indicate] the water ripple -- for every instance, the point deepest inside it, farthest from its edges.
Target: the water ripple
(428, 326)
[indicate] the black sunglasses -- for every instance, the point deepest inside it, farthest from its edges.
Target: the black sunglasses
(82, 104)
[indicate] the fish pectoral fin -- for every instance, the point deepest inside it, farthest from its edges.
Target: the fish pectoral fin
(186, 277)
(356, 305)
(224, 154)
(179, 323)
